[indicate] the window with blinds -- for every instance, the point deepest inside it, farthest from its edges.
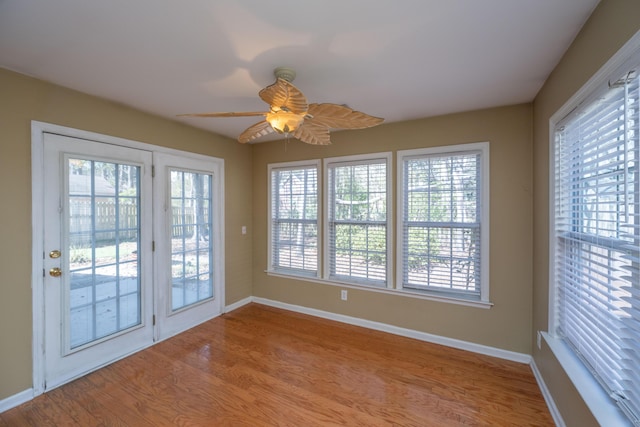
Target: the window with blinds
(358, 219)
(597, 237)
(293, 233)
(443, 221)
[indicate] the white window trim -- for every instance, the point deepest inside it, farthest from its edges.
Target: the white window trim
(483, 147)
(602, 408)
(290, 166)
(357, 159)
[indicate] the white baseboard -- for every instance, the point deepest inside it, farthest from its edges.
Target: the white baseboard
(237, 304)
(551, 404)
(410, 333)
(15, 400)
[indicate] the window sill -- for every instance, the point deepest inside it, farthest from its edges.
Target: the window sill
(603, 408)
(389, 291)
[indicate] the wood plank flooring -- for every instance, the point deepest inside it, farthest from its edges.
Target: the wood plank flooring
(262, 366)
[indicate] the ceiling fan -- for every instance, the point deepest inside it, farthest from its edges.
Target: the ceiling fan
(290, 114)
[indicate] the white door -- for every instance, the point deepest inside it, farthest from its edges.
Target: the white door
(98, 296)
(187, 230)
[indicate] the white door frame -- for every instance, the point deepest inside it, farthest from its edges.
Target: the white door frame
(38, 129)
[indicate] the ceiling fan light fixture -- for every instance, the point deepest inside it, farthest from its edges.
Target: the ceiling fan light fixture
(284, 121)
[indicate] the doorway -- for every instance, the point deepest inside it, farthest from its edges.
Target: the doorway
(130, 244)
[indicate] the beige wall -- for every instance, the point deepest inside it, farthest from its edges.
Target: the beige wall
(609, 27)
(23, 99)
(508, 324)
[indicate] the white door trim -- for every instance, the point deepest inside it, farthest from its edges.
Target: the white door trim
(38, 129)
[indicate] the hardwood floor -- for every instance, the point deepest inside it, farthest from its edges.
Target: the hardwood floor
(261, 366)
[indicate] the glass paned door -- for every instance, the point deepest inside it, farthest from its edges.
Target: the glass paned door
(191, 238)
(98, 271)
(104, 242)
(187, 223)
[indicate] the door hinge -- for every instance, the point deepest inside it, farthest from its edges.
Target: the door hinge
(153, 246)
(153, 321)
(153, 171)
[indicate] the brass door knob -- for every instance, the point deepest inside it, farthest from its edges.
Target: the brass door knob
(55, 272)
(54, 254)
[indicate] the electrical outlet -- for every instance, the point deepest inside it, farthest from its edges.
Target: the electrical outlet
(539, 340)
(343, 295)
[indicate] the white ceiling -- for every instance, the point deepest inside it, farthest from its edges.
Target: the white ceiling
(396, 59)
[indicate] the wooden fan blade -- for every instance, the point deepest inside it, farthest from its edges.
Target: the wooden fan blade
(312, 134)
(282, 95)
(340, 117)
(238, 114)
(255, 131)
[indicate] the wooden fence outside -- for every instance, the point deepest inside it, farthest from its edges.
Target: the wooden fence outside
(121, 220)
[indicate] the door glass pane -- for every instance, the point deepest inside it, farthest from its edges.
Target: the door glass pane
(104, 244)
(191, 236)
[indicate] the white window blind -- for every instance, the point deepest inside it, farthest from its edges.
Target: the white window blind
(294, 219)
(442, 222)
(357, 221)
(597, 238)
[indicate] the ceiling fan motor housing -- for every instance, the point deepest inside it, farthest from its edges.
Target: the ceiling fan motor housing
(285, 73)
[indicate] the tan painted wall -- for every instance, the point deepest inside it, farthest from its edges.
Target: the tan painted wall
(23, 99)
(609, 27)
(508, 324)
